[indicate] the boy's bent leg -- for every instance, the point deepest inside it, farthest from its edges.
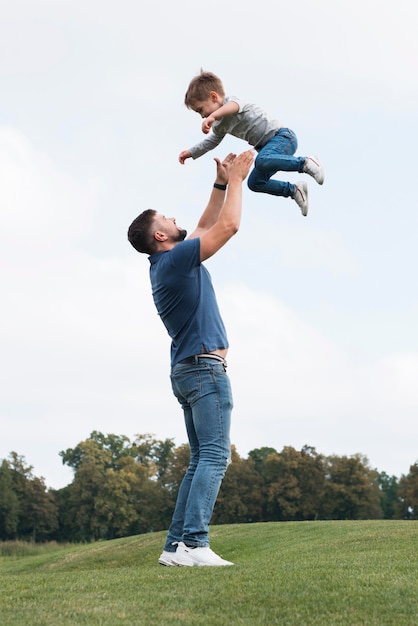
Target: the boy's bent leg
(277, 154)
(262, 183)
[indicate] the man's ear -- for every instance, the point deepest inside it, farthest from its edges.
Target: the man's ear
(159, 236)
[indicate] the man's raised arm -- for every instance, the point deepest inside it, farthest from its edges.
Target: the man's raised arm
(221, 220)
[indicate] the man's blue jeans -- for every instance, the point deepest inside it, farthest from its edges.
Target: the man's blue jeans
(275, 156)
(204, 391)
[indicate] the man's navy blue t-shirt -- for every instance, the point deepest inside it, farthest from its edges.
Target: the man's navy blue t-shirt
(186, 302)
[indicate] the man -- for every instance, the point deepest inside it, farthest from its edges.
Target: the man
(186, 302)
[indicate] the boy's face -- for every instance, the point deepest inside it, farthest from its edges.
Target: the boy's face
(205, 107)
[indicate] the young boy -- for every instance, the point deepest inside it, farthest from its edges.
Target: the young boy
(275, 144)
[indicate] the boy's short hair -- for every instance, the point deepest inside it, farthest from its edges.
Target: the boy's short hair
(201, 86)
(141, 233)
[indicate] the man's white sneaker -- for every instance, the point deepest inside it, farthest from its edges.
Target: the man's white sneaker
(300, 196)
(191, 557)
(166, 558)
(313, 167)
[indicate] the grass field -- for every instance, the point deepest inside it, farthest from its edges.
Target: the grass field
(295, 573)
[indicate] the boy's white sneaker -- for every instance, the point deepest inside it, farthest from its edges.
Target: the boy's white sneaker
(300, 196)
(313, 167)
(166, 558)
(191, 557)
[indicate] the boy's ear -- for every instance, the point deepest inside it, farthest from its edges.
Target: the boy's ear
(214, 96)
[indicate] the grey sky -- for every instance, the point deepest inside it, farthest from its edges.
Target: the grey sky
(321, 312)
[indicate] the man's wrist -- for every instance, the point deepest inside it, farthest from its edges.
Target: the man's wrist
(219, 186)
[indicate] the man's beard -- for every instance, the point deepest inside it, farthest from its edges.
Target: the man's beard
(181, 235)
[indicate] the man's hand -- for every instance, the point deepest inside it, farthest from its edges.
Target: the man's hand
(240, 166)
(184, 155)
(222, 169)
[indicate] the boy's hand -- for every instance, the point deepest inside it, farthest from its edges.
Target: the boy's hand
(207, 124)
(184, 155)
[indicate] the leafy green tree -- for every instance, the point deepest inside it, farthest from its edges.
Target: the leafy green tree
(116, 500)
(118, 487)
(154, 454)
(9, 504)
(351, 489)
(176, 469)
(407, 507)
(240, 499)
(295, 484)
(389, 486)
(90, 461)
(259, 457)
(115, 446)
(38, 513)
(65, 531)
(154, 508)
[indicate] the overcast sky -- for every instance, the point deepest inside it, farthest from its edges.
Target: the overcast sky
(321, 311)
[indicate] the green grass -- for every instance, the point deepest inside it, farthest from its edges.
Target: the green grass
(296, 573)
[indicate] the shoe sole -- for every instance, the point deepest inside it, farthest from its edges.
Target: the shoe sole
(304, 188)
(184, 562)
(167, 563)
(190, 563)
(316, 161)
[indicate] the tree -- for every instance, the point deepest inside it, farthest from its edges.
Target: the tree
(408, 494)
(154, 454)
(176, 469)
(240, 499)
(116, 500)
(116, 447)
(351, 489)
(295, 484)
(38, 513)
(90, 461)
(9, 504)
(118, 486)
(389, 486)
(259, 457)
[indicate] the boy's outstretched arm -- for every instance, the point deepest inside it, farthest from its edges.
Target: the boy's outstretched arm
(185, 154)
(226, 109)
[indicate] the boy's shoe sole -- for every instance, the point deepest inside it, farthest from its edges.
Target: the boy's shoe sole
(314, 168)
(301, 197)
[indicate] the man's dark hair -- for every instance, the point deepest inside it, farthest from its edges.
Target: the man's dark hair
(141, 233)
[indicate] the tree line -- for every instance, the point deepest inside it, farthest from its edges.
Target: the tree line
(122, 487)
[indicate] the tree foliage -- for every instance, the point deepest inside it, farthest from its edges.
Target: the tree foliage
(28, 510)
(122, 487)
(9, 503)
(408, 494)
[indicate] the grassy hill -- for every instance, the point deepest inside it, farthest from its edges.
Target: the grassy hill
(296, 573)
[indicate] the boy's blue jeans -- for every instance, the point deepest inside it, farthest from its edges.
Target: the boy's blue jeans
(204, 391)
(275, 156)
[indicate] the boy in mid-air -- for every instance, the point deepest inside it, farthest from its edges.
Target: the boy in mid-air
(274, 143)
